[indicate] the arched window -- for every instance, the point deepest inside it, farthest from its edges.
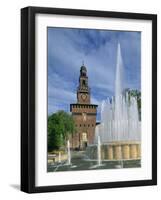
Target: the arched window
(84, 83)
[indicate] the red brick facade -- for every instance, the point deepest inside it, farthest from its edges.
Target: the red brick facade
(84, 114)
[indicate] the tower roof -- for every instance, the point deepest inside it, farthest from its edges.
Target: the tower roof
(83, 68)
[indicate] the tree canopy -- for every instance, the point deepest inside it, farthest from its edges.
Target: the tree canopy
(60, 127)
(137, 95)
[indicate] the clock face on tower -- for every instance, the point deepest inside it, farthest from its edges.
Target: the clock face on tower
(83, 91)
(84, 97)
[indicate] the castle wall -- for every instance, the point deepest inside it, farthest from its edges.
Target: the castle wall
(84, 124)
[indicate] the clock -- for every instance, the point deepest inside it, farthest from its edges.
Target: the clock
(84, 97)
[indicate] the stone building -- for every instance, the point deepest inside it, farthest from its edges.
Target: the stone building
(84, 114)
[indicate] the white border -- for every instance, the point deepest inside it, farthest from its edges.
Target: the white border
(77, 177)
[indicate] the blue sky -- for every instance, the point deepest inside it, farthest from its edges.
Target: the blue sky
(68, 47)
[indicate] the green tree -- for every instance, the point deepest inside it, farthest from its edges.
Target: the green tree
(60, 127)
(137, 95)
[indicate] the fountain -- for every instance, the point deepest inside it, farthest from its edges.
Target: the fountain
(120, 129)
(59, 158)
(69, 154)
(99, 151)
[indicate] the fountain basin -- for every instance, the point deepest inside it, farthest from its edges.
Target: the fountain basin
(117, 150)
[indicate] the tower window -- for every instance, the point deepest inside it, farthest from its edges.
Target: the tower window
(84, 83)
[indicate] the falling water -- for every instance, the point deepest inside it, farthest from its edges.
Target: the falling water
(99, 151)
(59, 158)
(119, 115)
(69, 154)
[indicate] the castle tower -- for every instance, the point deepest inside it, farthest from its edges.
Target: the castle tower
(83, 91)
(84, 114)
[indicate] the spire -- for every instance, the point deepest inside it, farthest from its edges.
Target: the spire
(83, 69)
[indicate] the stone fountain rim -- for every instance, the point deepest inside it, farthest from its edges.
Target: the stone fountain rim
(118, 143)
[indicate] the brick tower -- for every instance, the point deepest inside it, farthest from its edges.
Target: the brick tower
(84, 114)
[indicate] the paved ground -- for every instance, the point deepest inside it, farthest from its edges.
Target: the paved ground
(80, 162)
